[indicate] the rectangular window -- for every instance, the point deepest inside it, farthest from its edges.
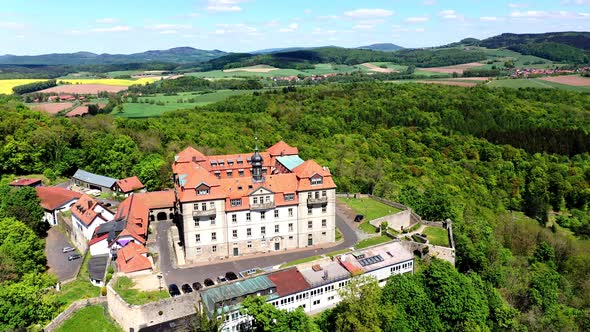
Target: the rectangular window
(203, 191)
(262, 215)
(212, 205)
(267, 200)
(204, 206)
(197, 238)
(241, 172)
(316, 302)
(196, 206)
(324, 233)
(213, 236)
(291, 237)
(276, 213)
(248, 231)
(276, 228)
(309, 210)
(263, 230)
(198, 250)
(255, 200)
(310, 224)
(309, 195)
(234, 218)
(212, 221)
(249, 244)
(228, 174)
(197, 222)
(290, 212)
(317, 180)
(248, 216)
(214, 248)
(235, 233)
(236, 202)
(324, 209)
(290, 227)
(289, 197)
(324, 223)
(324, 193)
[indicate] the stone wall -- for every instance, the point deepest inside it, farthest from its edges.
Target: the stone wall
(134, 317)
(57, 321)
(395, 221)
(445, 253)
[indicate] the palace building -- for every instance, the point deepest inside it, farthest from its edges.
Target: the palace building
(242, 204)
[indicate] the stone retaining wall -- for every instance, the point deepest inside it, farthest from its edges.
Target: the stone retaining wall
(134, 317)
(74, 307)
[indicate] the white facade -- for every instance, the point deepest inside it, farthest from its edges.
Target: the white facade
(100, 248)
(51, 215)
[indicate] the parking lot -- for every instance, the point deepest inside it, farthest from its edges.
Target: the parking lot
(180, 276)
(57, 260)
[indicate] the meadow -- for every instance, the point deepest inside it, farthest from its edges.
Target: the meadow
(171, 103)
(534, 83)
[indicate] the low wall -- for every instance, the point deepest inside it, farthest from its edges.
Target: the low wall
(445, 253)
(57, 321)
(395, 221)
(134, 317)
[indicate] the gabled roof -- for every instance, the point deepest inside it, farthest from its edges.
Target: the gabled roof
(135, 213)
(157, 199)
(97, 266)
(282, 149)
(289, 281)
(83, 209)
(189, 154)
(53, 198)
(131, 258)
(308, 168)
(100, 180)
(24, 182)
(130, 184)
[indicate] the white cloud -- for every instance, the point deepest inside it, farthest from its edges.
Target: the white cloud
(368, 13)
(291, 28)
(488, 18)
(106, 20)
(164, 27)
(224, 5)
(417, 19)
(363, 27)
(448, 13)
(239, 28)
(576, 2)
(327, 17)
(116, 28)
(11, 25)
(539, 14)
(517, 5)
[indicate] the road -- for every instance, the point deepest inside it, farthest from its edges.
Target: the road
(58, 261)
(189, 275)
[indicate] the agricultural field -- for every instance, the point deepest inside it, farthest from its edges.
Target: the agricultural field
(51, 108)
(110, 81)
(534, 83)
(573, 80)
(94, 317)
(84, 88)
(453, 69)
(246, 73)
(7, 85)
(150, 107)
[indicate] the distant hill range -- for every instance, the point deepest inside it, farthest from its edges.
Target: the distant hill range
(173, 55)
(384, 47)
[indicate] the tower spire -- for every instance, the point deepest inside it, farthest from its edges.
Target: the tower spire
(257, 164)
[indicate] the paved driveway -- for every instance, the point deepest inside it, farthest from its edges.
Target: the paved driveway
(58, 261)
(199, 273)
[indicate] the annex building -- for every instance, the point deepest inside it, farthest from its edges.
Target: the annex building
(241, 204)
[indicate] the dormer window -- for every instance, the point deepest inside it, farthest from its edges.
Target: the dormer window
(203, 191)
(213, 163)
(239, 161)
(289, 197)
(236, 202)
(218, 174)
(230, 163)
(221, 163)
(317, 180)
(229, 173)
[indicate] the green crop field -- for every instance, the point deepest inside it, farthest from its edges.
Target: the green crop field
(247, 74)
(171, 103)
(534, 83)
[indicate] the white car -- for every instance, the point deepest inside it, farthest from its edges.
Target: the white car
(94, 192)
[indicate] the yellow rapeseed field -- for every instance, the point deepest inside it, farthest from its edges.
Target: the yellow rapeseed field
(7, 85)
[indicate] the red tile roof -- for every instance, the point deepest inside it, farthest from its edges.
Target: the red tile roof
(130, 184)
(98, 239)
(131, 259)
(282, 149)
(54, 197)
(189, 154)
(24, 182)
(135, 212)
(83, 209)
(289, 281)
(157, 199)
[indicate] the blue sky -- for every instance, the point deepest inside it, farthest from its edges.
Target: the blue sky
(128, 26)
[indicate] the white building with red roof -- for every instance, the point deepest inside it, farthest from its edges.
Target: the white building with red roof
(55, 200)
(87, 215)
(128, 186)
(243, 204)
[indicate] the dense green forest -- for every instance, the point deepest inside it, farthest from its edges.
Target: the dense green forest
(190, 83)
(553, 51)
(482, 157)
(32, 87)
(304, 59)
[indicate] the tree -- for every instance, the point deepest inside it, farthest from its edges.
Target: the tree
(203, 323)
(360, 306)
(24, 205)
(21, 250)
(268, 318)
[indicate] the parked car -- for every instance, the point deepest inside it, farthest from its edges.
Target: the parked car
(231, 276)
(173, 290)
(208, 282)
(359, 218)
(221, 279)
(74, 256)
(186, 288)
(94, 192)
(67, 249)
(197, 285)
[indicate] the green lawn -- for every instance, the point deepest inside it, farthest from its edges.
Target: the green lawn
(534, 83)
(171, 103)
(81, 288)
(372, 241)
(368, 207)
(366, 227)
(123, 286)
(92, 318)
(437, 236)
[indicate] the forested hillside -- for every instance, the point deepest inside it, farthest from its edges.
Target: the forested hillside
(481, 157)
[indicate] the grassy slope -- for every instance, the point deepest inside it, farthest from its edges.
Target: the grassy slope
(437, 236)
(92, 318)
(137, 110)
(368, 207)
(123, 286)
(534, 83)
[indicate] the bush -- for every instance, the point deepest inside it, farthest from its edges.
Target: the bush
(103, 291)
(109, 277)
(110, 270)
